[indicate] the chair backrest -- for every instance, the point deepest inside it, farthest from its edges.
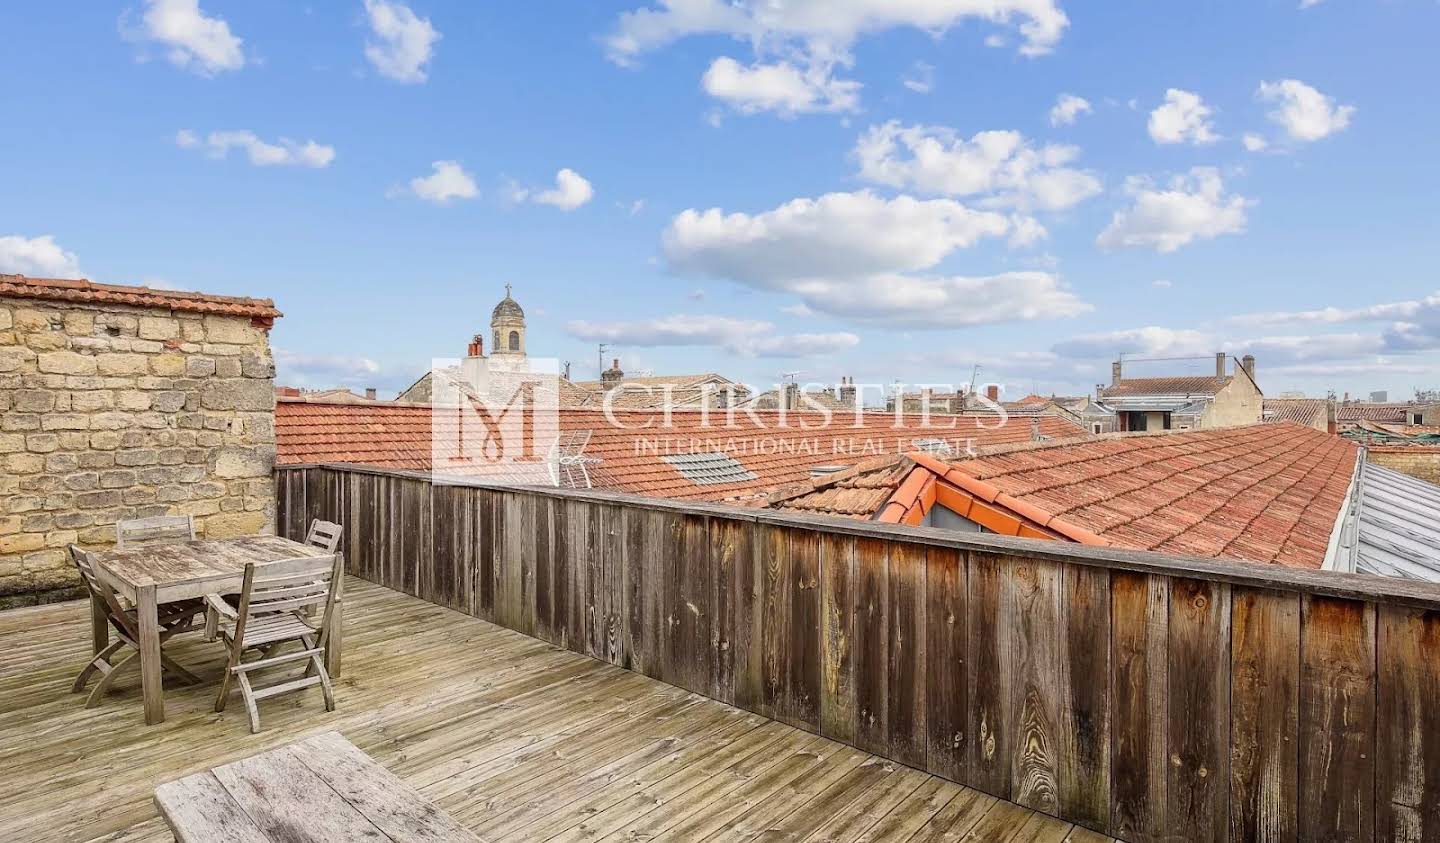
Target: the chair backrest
(160, 529)
(89, 568)
(290, 585)
(324, 535)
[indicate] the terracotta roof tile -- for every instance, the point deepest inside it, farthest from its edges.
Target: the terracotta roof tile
(1385, 413)
(1131, 387)
(83, 291)
(399, 436)
(1309, 411)
(1265, 492)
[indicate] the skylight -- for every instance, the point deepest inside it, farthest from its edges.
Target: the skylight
(709, 469)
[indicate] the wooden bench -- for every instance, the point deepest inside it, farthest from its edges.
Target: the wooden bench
(320, 790)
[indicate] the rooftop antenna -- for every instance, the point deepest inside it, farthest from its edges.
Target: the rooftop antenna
(974, 376)
(600, 368)
(789, 377)
(567, 370)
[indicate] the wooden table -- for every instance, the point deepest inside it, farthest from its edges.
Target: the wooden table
(320, 790)
(152, 576)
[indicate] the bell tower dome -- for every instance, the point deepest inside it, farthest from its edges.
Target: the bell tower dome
(507, 326)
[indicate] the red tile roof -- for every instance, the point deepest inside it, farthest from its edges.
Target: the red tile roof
(1312, 412)
(398, 436)
(1385, 413)
(89, 292)
(1134, 387)
(1266, 493)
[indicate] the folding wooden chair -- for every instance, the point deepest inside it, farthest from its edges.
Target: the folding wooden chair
(323, 534)
(272, 607)
(160, 529)
(175, 618)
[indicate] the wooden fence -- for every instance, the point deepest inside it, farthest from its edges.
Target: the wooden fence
(1148, 697)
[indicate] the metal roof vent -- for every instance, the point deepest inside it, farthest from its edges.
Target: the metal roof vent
(938, 447)
(819, 472)
(709, 469)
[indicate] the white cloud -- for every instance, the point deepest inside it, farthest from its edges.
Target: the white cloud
(1068, 109)
(571, 190)
(1192, 207)
(402, 44)
(191, 40)
(1150, 341)
(922, 79)
(1183, 117)
(855, 255)
(324, 370)
(1001, 166)
(284, 152)
(448, 181)
(1040, 23)
(1161, 284)
(746, 337)
(837, 235)
(1254, 142)
(38, 257)
(1304, 113)
(781, 86)
(1411, 325)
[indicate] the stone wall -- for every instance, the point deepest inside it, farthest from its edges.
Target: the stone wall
(1421, 462)
(110, 412)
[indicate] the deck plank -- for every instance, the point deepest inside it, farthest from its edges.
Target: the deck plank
(515, 738)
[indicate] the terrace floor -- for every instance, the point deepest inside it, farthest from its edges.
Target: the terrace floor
(513, 737)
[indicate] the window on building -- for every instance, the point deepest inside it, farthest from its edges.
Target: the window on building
(1419, 419)
(1096, 426)
(514, 340)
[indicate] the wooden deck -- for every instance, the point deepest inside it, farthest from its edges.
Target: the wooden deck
(516, 739)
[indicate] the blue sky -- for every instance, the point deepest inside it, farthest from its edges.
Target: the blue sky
(753, 188)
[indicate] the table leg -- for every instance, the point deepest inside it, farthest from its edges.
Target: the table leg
(150, 667)
(99, 624)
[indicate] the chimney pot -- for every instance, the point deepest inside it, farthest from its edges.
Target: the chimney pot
(993, 392)
(370, 393)
(477, 346)
(1248, 361)
(1220, 364)
(1117, 371)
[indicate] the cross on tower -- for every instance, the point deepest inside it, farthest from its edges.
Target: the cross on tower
(507, 291)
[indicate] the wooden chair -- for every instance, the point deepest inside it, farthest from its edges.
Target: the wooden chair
(272, 607)
(323, 534)
(175, 618)
(160, 529)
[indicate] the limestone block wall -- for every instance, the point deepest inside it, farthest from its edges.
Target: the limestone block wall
(110, 412)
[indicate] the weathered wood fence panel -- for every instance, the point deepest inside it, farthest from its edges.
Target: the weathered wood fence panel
(1146, 697)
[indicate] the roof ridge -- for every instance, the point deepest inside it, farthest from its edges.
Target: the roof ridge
(84, 290)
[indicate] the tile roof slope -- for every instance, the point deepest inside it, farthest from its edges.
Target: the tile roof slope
(1386, 413)
(1266, 493)
(858, 492)
(1308, 411)
(398, 436)
(1200, 385)
(88, 292)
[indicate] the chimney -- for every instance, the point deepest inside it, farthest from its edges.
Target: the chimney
(477, 346)
(1248, 361)
(1220, 364)
(370, 393)
(612, 376)
(1332, 423)
(992, 391)
(790, 396)
(1116, 372)
(847, 391)
(1035, 429)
